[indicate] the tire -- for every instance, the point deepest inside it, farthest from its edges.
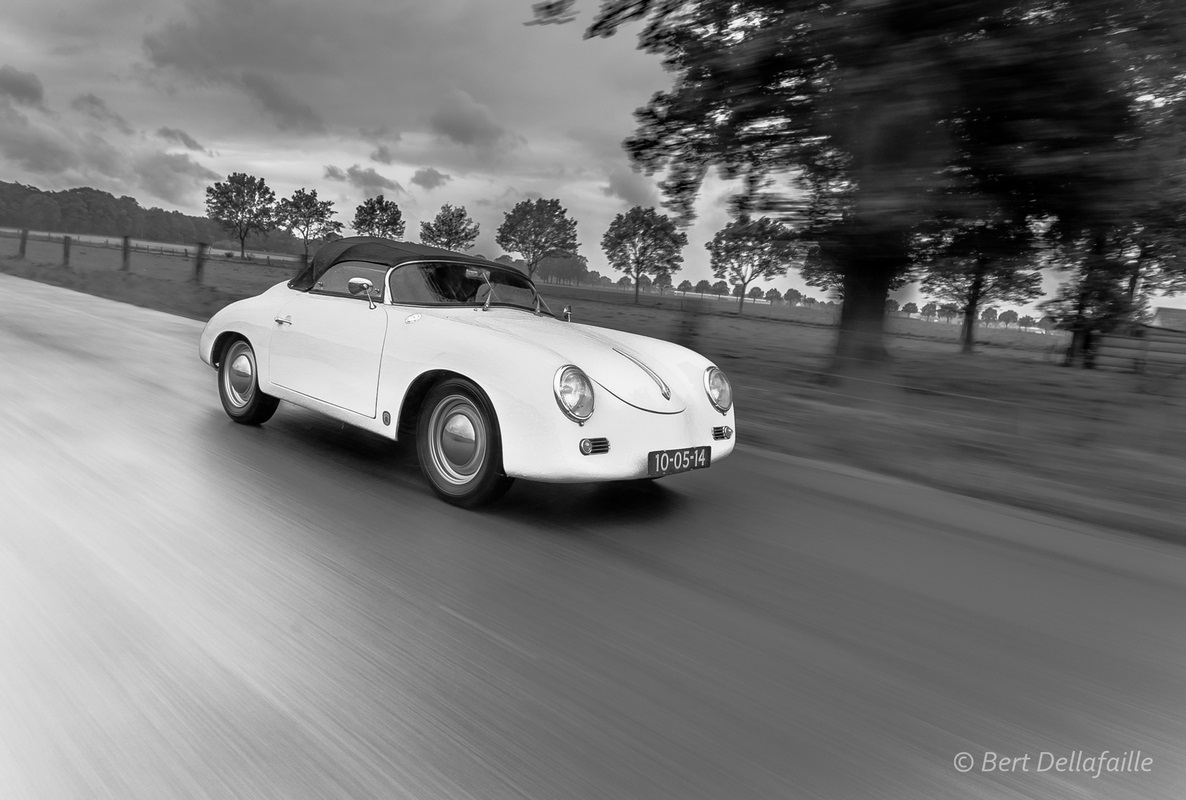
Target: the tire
(238, 386)
(459, 445)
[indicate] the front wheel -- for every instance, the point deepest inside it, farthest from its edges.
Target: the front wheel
(459, 447)
(238, 386)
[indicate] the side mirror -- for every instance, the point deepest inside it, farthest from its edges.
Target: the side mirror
(361, 286)
(567, 312)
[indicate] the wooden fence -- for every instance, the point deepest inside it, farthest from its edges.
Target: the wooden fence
(1146, 349)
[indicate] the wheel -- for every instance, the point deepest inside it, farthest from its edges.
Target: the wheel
(459, 446)
(238, 386)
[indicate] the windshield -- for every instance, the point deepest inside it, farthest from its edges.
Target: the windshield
(445, 283)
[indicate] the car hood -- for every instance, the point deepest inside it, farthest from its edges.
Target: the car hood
(622, 370)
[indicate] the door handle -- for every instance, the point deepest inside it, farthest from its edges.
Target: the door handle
(284, 320)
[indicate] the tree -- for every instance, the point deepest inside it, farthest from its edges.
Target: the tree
(989, 314)
(874, 110)
(746, 250)
(242, 205)
(929, 311)
(891, 305)
(1096, 298)
(41, 212)
(376, 216)
(564, 269)
(972, 263)
(703, 287)
(1027, 322)
(773, 295)
(793, 296)
(949, 311)
(909, 309)
(720, 288)
(1008, 317)
(755, 294)
(1047, 323)
(307, 217)
(451, 229)
(624, 282)
(643, 242)
(685, 286)
(537, 229)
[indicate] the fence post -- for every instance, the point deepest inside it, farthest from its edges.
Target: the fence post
(200, 262)
(66, 251)
(24, 242)
(127, 262)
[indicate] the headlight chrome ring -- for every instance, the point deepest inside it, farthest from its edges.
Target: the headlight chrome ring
(574, 393)
(718, 389)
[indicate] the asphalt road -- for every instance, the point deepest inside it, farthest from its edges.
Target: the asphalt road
(194, 609)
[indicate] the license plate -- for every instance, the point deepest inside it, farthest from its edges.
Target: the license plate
(669, 462)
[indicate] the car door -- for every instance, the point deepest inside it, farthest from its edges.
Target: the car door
(327, 343)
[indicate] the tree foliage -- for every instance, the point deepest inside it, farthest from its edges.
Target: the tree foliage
(746, 250)
(537, 229)
(863, 120)
(242, 204)
(643, 242)
(377, 216)
(451, 229)
(572, 269)
(306, 217)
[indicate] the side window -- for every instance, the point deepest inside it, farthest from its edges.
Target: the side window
(335, 280)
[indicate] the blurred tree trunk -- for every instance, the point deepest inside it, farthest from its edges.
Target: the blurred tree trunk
(968, 334)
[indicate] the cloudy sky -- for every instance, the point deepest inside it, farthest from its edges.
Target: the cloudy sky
(424, 101)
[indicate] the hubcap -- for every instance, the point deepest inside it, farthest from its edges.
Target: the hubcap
(240, 375)
(458, 440)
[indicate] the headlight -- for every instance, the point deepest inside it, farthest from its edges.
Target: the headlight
(720, 393)
(574, 393)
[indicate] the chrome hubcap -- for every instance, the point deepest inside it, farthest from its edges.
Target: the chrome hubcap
(458, 443)
(240, 375)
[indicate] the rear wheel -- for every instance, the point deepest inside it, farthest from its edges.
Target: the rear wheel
(238, 386)
(459, 446)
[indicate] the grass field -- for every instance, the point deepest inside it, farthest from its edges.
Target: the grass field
(1007, 423)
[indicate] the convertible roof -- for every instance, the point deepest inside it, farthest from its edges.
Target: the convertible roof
(376, 250)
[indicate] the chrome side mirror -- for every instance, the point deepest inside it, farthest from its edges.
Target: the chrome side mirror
(360, 286)
(567, 312)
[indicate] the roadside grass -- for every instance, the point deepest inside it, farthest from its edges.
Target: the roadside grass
(1007, 423)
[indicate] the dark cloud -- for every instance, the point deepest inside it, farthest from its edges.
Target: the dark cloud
(632, 187)
(101, 156)
(430, 178)
(23, 88)
(379, 134)
(37, 149)
(382, 154)
(172, 176)
(367, 180)
(461, 119)
(239, 44)
(181, 137)
(96, 108)
(288, 111)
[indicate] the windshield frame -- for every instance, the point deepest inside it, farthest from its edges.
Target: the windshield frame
(536, 302)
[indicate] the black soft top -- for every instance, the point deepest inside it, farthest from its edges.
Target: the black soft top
(375, 250)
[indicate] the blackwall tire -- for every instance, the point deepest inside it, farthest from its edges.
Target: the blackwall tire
(238, 386)
(459, 445)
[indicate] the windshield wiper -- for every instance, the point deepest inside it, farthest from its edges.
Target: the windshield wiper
(490, 294)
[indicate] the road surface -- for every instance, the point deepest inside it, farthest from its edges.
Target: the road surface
(196, 609)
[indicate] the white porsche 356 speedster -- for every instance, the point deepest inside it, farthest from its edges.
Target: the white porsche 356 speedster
(462, 353)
